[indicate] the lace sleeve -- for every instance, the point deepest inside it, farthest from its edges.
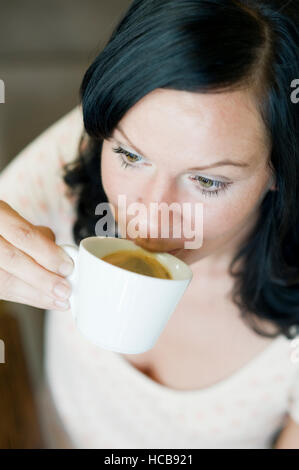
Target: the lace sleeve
(294, 393)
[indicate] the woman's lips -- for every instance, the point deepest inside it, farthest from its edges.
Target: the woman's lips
(152, 247)
(173, 252)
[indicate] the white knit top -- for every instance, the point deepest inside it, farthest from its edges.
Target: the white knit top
(103, 400)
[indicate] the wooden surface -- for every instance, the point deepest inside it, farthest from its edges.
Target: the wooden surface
(19, 418)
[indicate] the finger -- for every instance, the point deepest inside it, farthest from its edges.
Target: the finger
(16, 290)
(22, 266)
(29, 239)
(46, 231)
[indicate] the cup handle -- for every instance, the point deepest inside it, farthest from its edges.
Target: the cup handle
(73, 252)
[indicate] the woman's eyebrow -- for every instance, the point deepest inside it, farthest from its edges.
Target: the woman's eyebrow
(216, 164)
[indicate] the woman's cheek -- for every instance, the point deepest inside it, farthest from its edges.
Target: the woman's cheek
(228, 215)
(113, 180)
(117, 183)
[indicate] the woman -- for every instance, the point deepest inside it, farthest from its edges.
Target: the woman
(190, 101)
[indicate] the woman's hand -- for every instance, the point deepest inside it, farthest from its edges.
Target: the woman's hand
(32, 266)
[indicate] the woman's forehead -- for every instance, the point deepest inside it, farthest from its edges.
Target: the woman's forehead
(224, 123)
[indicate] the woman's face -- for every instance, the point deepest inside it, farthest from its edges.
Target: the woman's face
(173, 137)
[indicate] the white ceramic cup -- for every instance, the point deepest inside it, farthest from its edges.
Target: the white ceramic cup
(118, 309)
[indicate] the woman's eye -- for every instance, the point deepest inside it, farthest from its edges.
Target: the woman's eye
(130, 159)
(204, 185)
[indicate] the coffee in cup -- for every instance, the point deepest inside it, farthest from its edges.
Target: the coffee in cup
(138, 262)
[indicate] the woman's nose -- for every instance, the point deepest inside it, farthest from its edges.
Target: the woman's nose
(159, 189)
(161, 211)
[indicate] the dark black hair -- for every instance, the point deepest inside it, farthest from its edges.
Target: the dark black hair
(199, 46)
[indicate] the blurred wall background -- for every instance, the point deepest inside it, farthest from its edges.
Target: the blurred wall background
(45, 48)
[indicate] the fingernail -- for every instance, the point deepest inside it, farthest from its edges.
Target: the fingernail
(67, 264)
(66, 268)
(61, 304)
(61, 290)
